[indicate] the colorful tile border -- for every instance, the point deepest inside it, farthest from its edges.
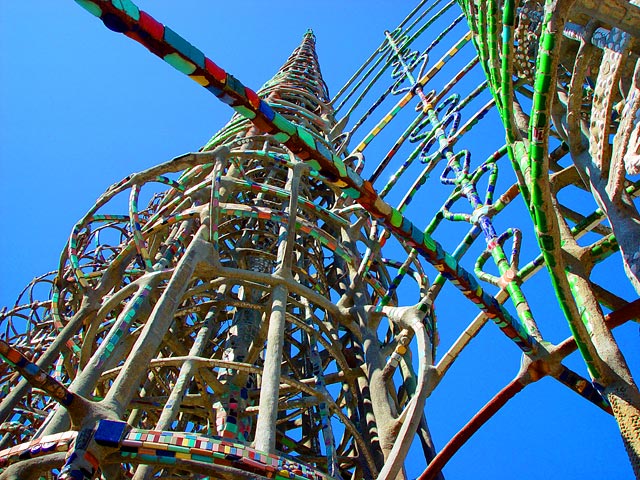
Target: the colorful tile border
(158, 447)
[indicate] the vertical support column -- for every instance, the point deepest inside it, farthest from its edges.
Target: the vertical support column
(265, 438)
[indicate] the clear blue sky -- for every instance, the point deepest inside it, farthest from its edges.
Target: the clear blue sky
(82, 107)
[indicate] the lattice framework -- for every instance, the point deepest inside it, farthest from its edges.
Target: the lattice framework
(567, 127)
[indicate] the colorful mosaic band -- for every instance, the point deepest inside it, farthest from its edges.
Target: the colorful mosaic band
(165, 448)
(35, 375)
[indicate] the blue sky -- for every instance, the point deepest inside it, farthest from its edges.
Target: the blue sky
(82, 107)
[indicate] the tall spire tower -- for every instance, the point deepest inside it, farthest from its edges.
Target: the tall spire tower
(223, 328)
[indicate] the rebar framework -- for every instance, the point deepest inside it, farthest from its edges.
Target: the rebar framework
(269, 313)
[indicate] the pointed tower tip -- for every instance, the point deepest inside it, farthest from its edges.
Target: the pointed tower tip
(309, 33)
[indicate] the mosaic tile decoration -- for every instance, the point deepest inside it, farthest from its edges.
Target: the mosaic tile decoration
(166, 448)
